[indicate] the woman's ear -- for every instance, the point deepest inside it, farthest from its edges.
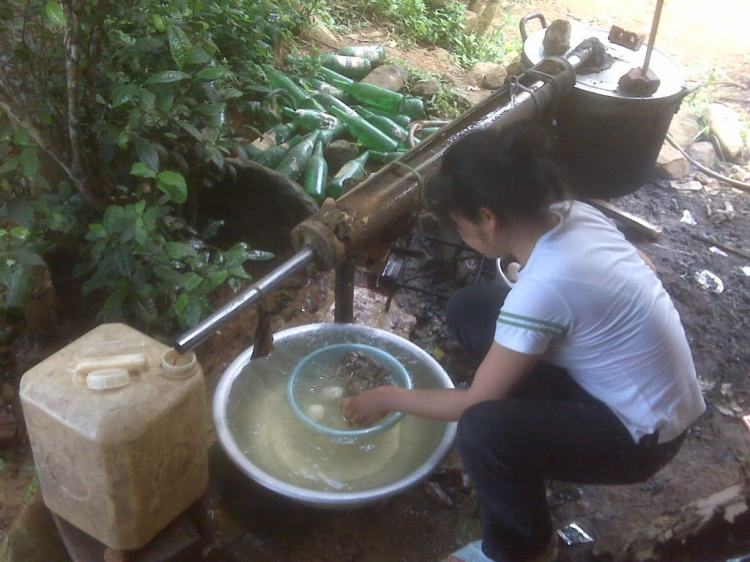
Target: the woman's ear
(488, 220)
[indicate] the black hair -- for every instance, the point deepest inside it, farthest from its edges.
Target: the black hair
(511, 171)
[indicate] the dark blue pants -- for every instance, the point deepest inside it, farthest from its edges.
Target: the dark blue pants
(549, 428)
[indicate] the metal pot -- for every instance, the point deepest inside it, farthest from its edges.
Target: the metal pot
(609, 140)
(240, 378)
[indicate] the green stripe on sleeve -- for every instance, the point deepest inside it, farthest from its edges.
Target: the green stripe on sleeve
(557, 328)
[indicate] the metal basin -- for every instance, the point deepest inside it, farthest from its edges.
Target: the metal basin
(239, 383)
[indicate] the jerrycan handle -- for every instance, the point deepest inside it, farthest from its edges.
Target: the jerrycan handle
(176, 366)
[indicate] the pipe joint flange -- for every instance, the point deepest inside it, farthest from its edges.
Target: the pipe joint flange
(329, 250)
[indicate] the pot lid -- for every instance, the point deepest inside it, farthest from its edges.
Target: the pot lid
(605, 82)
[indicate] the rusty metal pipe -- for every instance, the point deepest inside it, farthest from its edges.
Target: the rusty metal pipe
(392, 193)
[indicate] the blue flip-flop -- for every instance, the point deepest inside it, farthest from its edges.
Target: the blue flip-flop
(472, 552)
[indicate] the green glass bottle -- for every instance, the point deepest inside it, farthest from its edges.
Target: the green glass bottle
(269, 117)
(354, 67)
(327, 136)
(373, 53)
(329, 75)
(388, 126)
(383, 99)
(354, 169)
(273, 156)
(320, 86)
(403, 120)
(428, 131)
(310, 119)
(366, 133)
(328, 101)
(316, 174)
(385, 157)
(296, 159)
(281, 81)
(269, 139)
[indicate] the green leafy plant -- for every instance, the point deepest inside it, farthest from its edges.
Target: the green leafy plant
(142, 258)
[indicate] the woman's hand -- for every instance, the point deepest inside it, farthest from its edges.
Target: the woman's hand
(366, 408)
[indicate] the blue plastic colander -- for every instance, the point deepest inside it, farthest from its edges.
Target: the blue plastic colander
(325, 358)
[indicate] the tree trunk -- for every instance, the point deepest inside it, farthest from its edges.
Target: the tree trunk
(485, 22)
(475, 5)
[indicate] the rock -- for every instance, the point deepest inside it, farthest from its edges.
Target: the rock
(441, 54)
(320, 33)
(479, 71)
(474, 97)
(470, 21)
(495, 77)
(704, 152)
(389, 76)
(429, 88)
(33, 536)
(725, 124)
(339, 153)
(557, 38)
(671, 164)
(685, 127)
(513, 66)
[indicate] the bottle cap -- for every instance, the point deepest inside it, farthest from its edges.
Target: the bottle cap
(107, 379)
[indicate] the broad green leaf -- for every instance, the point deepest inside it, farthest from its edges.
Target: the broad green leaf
(141, 170)
(179, 45)
(112, 309)
(239, 271)
(181, 303)
(8, 166)
(21, 212)
(190, 129)
(29, 162)
(25, 257)
(21, 137)
(140, 206)
(212, 109)
(212, 228)
(55, 13)
(170, 275)
(192, 313)
(173, 184)
(98, 230)
(199, 55)
(216, 278)
(259, 255)
(191, 281)
(148, 99)
(141, 234)
(145, 309)
(164, 97)
(20, 232)
(167, 76)
(180, 250)
(230, 93)
(211, 73)
(124, 94)
(147, 154)
(6, 275)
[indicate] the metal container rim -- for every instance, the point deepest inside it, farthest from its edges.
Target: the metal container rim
(321, 498)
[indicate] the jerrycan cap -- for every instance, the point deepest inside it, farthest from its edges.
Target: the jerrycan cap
(176, 366)
(107, 379)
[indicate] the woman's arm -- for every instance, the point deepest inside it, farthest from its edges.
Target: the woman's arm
(501, 369)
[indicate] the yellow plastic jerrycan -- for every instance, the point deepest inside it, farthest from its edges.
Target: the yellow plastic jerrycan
(118, 432)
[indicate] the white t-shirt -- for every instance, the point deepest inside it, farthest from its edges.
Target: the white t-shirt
(587, 302)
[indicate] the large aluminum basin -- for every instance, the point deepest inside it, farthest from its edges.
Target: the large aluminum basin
(235, 385)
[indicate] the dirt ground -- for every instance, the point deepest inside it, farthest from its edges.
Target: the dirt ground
(239, 521)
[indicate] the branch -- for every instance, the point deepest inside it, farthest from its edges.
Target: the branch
(37, 138)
